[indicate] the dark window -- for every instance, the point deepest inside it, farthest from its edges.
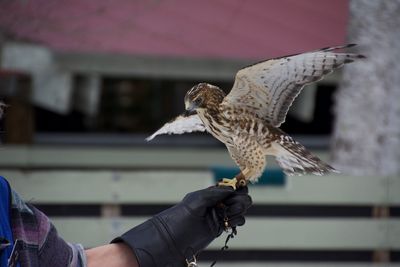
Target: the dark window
(126, 106)
(323, 116)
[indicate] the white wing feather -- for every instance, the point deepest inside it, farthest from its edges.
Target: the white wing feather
(181, 124)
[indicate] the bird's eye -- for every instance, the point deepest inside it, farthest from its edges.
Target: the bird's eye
(198, 100)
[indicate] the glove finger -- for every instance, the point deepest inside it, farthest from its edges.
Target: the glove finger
(237, 208)
(242, 190)
(208, 197)
(216, 194)
(239, 198)
(200, 201)
(237, 221)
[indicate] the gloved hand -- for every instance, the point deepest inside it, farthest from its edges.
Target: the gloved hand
(174, 236)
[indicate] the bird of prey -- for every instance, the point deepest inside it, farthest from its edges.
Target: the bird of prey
(247, 120)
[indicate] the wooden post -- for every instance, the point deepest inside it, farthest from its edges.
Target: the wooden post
(381, 255)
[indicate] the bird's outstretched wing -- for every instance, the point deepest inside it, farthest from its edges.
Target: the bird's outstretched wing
(270, 87)
(179, 125)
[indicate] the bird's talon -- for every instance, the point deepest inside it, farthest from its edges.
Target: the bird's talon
(228, 182)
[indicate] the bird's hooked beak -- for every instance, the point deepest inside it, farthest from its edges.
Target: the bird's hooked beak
(190, 108)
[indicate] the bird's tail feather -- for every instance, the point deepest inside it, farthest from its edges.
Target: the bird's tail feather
(295, 159)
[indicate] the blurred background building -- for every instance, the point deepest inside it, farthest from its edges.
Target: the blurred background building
(87, 81)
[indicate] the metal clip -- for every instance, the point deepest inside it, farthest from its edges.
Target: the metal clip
(226, 224)
(192, 263)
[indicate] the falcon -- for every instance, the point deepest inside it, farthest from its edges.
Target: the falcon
(247, 120)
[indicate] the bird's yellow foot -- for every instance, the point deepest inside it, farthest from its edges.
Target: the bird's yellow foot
(228, 182)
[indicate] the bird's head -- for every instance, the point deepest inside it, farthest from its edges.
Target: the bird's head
(203, 96)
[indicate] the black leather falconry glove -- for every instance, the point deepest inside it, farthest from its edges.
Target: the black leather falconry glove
(175, 235)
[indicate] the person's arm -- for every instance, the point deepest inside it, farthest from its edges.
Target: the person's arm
(42, 246)
(48, 249)
(111, 255)
(193, 224)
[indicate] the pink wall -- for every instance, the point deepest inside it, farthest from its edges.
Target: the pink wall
(255, 29)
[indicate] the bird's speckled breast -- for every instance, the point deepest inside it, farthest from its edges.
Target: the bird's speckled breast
(227, 123)
(217, 125)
